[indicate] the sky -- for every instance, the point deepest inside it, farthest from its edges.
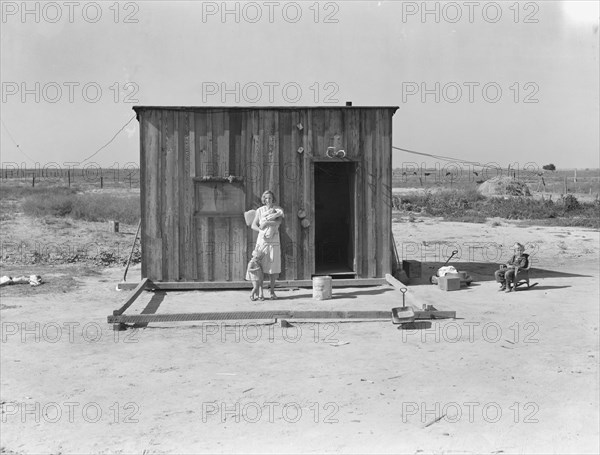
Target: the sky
(487, 82)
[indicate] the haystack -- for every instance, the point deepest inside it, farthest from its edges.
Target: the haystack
(503, 186)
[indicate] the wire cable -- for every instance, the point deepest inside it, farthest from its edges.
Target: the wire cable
(15, 142)
(108, 143)
(439, 157)
(453, 160)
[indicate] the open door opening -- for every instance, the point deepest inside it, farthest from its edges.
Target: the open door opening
(334, 219)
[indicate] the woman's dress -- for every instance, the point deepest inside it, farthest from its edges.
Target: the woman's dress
(268, 244)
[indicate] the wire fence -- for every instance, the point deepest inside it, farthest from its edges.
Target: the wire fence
(563, 182)
(126, 177)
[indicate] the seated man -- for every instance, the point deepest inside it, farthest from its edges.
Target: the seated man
(507, 273)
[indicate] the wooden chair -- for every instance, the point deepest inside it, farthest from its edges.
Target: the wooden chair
(522, 276)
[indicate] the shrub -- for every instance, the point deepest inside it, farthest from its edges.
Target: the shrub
(470, 206)
(105, 207)
(436, 203)
(519, 208)
(571, 203)
(52, 204)
(88, 207)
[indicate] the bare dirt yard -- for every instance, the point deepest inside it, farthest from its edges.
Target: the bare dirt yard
(514, 373)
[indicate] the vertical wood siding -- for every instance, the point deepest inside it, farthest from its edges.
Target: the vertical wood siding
(193, 230)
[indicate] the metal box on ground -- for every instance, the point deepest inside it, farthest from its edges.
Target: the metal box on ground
(449, 282)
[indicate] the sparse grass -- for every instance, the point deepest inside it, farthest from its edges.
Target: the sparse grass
(57, 203)
(448, 203)
(467, 218)
(468, 205)
(56, 210)
(10, 191)
(6, 211)
(581, 222)
(105, 207)
(63, 202)
(57, 279)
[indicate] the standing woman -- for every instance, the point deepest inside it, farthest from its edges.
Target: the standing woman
(266, 222)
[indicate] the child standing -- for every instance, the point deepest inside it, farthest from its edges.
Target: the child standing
(254, 273)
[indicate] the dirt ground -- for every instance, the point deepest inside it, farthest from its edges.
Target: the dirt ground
(514, 373)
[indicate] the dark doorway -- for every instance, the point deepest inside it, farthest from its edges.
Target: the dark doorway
(334, 219)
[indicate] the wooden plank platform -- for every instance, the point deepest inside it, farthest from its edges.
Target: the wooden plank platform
(134, 295)
(225, 285)
(252, 315)
(271, 315)
(394, 282)
(119, 319)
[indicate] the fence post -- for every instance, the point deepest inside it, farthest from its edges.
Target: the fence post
(33, 181)
(101, 182)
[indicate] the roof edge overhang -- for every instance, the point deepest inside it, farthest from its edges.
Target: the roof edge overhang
(139, 109)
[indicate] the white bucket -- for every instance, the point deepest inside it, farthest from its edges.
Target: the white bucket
(322, 287)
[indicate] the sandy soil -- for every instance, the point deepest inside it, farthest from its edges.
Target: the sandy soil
(52, 240)
(514, 373)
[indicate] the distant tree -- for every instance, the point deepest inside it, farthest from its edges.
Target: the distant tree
(549, 167)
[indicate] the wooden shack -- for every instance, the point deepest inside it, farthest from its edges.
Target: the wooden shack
(330, 169)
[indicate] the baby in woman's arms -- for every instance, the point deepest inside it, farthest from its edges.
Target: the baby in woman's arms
(272, 215)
